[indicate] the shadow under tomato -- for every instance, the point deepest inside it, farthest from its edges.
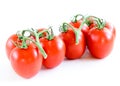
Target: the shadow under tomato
(88, 56)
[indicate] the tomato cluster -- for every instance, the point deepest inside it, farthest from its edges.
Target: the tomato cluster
(29, 49)
(99, 34)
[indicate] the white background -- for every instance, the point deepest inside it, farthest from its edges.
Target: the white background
(22, 14)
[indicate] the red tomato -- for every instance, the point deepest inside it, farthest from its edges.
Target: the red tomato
(10, 45)
(26, 62)
(55, 50)
(73, 50)
(100, 41)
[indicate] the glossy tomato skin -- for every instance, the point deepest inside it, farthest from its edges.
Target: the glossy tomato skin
(111, 28)
(76, 24)
(10, 45)
(73, 50)
(100, 42)
(55, 50)
(26, 62)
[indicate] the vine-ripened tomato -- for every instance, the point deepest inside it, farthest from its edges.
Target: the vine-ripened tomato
(100, 41)
(10, 45)
(55, 50)
(73, 50)
(25, 53)
(26, 62)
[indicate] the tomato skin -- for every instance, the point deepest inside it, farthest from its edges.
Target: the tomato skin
(85, 29)
(26, 62)
(73, 51)
(111, 28)
(100, 42)
(10, 45)
(55, 50)
(76, 24)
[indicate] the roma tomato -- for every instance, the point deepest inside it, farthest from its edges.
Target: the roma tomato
(10, 45)
(73, 50)
(100, 40)
(55, 50)
(26, 62)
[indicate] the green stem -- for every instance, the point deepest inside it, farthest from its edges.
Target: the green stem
(49, 33)
(24, 44)
(36, 42)
(76, 31)
(63, 28)
(75, 18)
(42, 32)
(23, 39)
(85, 21)
(100, 22)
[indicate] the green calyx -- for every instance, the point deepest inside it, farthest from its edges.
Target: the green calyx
(48, 32)
(63, 27)
(100, 23)
(22, 41)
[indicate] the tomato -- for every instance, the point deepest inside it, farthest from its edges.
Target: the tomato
(55, 50)
(73, 50)
(100, 41)
(26, 62)
(10, 44)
